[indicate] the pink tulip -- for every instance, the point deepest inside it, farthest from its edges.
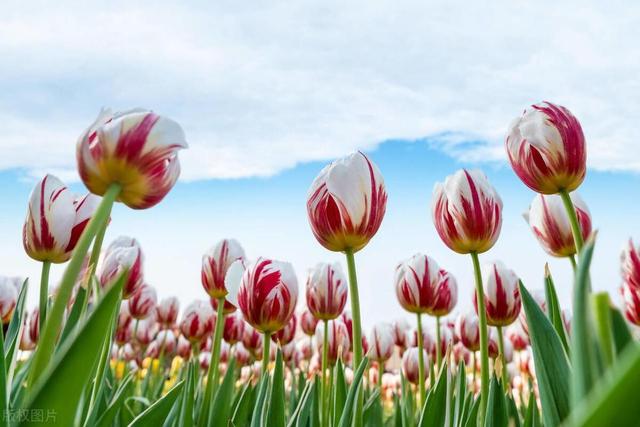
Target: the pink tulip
(401, 330)
(241, 354)
(547, 150)
(252, 340)
(146, 331)
(326, 291)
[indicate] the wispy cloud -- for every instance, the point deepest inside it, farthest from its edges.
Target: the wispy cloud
(262, 88)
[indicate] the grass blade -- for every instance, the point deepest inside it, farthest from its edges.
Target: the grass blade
(156, 414)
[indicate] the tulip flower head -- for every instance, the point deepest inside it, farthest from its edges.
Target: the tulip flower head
(241, 354)
(142, 304)
(227, 307)
(502, 295)
(233, 328)
(146, 331)
(416, 282)
(252, 339)
(631, 299)
(183, 347)
(287, 334)
(630, 260)
(55, 220)
(549, 222)
(123, 254)
(519, 339)
(197, 322)
(338, 342)
(167, 312)
(467, 212)
(411, 364)
(445, 296)
(326, 291)
(494, 348)
(546, 149)
(468, 331)
(34, 325)
(381, 342)
(215, 264)
(346, 203)
(308, 323)
(401, 330)
(8, 299)
(135, 149)
(268, 294)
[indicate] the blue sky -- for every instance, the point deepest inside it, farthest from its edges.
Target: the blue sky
(269, 94)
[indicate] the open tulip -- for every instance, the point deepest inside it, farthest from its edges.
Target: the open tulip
(197, 321)
(143, 303)
(124, 253)
(326, 291)
(215, 264)
(136, 149)
(547, 150)
(411, 364)
(551, 225)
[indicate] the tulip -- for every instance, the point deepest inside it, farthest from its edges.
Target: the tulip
(142, 304)
(400, 334)
(227, 307)
(468, 330)
(285, 335)
(136, 149)
(416, 281)
(467, 213)
(167, 312)
(326, 291)
(166, 341)
(308, 323)
(204, 359)
(183, 347)
(502, 295)
(26, 344)
(215, 264)
(445, 299)
(551, 225)
(197, 322)
(34, 326)
(252, 340)
(123, 254)
(631, 299)
(517, 336)
(306, 348)
(146, 331)
(337, 340)
(382, 345)
(233, 328)
(547, 150)
(289, 351)
(630, 260)
(411, 361)
(241, 354)
(8, 299)
(461, 354)
(444, 339)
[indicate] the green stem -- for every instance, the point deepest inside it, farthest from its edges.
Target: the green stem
(438, 348)
(505, 374)
(473, 362)
(484, 341)
(423, 391)
(323, 382)
(213, 376)
(357, 332)
(573, 220)
(49, 333)
(572, 259)
(265, 352)
(44, 292)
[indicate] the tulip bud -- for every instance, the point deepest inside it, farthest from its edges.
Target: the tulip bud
(502, 295)
(382, 342)
(143, 303)
(197, 321)
(124, 253)
(348, 322)
(446, 340)
(215, 264)
(346, 203)
(308, 323)
(467, 212)
(285, 335)
(55, 220)
(268, 294)
(233, 328)
(25, 337)
(34, 325)
(306, 348)
(494, 348)
(146, 331)
(167, 312)
(546, 149)
(411, 364)
(337, 340)
(630, 261)
(8, 299)
(204, 358)
(549, 222)
(136, 149)
(445, 296)
(326, 291)
(416, 281)
(183, 347)
(468, 330)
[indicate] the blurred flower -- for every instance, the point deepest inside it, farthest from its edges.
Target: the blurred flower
(519, 339)
(183, 348)
(167, 312)
(123, 253)
(546, 148)
(143, 302)
(549, 222)
(197, 321)
(445, 296)
(268, 294)
(631, 299)
(285, 335)
(305, 348)
(26, 344)
(468, 330)
(381, 342)
(215, 264)
(289, 352)
(326, 291)
(411, 364)
(346, 203)
(241, 354)
(446, 340)
(540, 299)
(146, 331)
(8, 298)
(136, 149)
(308, 323)
(252, 340)
(494, 349)
(401, 330)
(630, 261)
(467, 212)
(233, 328)
(34, 325)
(502, 295)
(337, 340)
(205, 359)
(55, 220)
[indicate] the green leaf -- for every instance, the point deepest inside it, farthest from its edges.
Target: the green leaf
(74, 315)
(408, 403)
(552, 367)
(156, 414)
(553, 307)
(615, 399)
(188, 397)
(460, 394)
(583, 355)
(107, 418)
(263, 387)
(532, 418)
(472, 416)
(300, 416)
(621, 334)
(347, 413)
(14, 332)
(372, 412)
(62, 384)
(221, 408)
(241, 411)
(512, 412)
(275, 414)
(434, 410)
(496, 406)
(314, 415)
(4, 401)
(340, 392)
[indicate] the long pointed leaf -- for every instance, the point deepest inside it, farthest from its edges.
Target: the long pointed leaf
(347, 413)
(221, 407)
(156, 414)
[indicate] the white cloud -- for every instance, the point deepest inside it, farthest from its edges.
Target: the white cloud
(262, 88)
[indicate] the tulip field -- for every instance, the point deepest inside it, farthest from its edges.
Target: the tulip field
(261, 348)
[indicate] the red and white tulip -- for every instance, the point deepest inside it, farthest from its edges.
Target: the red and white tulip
(338, 343)
(124, 253)
(630, 265)
(215, 264)
(233, 328)
(167, 312)
(411, 364)
(381, 342)
(197, 321)
(142, 304)
(468, 331)
(416, 282)
(8, 299)
(326, 291)
(308, 323)
(502, 295)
